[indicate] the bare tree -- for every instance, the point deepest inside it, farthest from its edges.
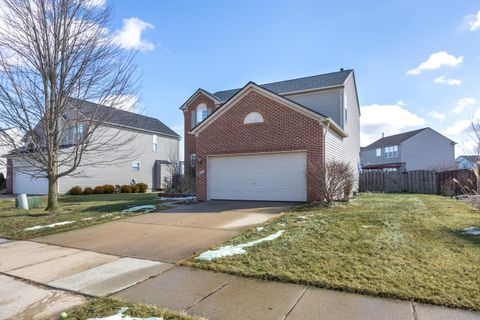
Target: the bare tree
(55, 55)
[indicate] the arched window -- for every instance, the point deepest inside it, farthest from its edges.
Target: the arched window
(253, 117)
(202, 112)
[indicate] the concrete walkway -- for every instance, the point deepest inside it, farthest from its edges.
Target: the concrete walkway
(38, 281)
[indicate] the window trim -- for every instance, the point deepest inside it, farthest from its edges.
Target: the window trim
(253, 117)
(136, 166)
(391, 152)
(201, 112)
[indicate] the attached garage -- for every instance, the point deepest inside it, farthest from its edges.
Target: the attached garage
(24, 183)
(261, 176)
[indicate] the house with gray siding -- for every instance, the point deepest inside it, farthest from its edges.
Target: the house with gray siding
(147, 153)
(467, 162)
(422, 149)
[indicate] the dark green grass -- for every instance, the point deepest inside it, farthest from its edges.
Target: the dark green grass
(107, 306)
(400, 246)
(101, 208)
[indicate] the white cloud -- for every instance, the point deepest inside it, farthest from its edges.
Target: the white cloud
(437, 115)
(475, 23)
(435, 61)
(130, 36)
(95, 3)
(458, 128)
(450, 82)
(463, 104)
(389, 119)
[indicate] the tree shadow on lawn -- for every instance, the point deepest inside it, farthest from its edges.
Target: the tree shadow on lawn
(460, 234)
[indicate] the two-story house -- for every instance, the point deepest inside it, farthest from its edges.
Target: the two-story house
(258, 142)
(422, 149)
(144, 151)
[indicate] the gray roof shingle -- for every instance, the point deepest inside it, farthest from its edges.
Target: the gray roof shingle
(393, 140)
(300, 84)
(123, 118)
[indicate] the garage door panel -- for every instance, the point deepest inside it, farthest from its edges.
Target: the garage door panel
(24, 183)
(273, 177)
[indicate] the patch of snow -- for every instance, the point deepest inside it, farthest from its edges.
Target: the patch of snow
(53, 225)
(106, 215)
(302, 217)
(231, 250)
(144, 208)
(189, 198)
(87, 219)
(472, 231)
(120, 316)
(260, 228)
(281, 224)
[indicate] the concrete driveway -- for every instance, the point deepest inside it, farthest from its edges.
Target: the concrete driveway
(170, 235)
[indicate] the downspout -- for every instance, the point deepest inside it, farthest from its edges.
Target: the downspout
(328, 121)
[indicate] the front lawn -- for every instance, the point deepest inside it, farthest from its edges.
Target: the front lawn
(402, 246)
(75, 212)
(105, 307)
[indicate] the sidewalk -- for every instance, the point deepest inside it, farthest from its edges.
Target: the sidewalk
(66, 276)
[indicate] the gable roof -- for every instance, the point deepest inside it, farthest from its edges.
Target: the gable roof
(472, 159)
(123, 118)
(393, 140)
(320, 81)
(287, 102)
(195, 94)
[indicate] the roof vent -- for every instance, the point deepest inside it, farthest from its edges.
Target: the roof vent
(341, 69)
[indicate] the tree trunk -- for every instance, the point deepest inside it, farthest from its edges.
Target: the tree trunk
(52, 193)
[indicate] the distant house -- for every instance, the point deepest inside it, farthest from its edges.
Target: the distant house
(5, 146)
(467, 162)
(422, 149)
(154, 146)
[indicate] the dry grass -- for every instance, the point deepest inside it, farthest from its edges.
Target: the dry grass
(107, 306)
(401, 246)
(95, 208)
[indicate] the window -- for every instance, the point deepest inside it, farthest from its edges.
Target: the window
(193, 160)
(202, 112)
(391, 152)
(253, 117)
(379, 152)
(136, 165)
(345, 107)
(155, 143)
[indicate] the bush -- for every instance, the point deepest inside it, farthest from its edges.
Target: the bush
(3, 181)
(75, 191)
(141, 187)
(88, 191)
(98, 190)
(108, 189)
(126, 188)
(334, 181)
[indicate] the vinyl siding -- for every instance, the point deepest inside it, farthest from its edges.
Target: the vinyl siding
(369, 157)
(346, 149)
(428, 150)
(326, 102)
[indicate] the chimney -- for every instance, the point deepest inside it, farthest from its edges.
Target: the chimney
(341, 69)
(383, 135)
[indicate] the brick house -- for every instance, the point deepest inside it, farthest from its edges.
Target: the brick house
(257, 142)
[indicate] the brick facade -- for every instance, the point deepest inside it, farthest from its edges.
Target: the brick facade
(283, 129)
(190, 140)
(9, 176)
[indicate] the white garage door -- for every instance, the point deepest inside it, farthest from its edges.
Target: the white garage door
(273, 177)
(23, 183)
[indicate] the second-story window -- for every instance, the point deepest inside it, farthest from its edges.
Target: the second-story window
(379, 152)
(155, 143)
(391, 152)
(202, 112)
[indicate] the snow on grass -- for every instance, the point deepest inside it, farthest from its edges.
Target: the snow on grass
(260, 228)
(120, 316)
(472, 231)
(189, 198)
(53, 225)
(231, 250)
(145, 208)
(87, 219)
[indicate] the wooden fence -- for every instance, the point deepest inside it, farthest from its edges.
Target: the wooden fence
(419, 181)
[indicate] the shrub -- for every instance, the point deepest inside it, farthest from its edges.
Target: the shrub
(88, 191)
(126, 188)
(108, 189)
(75, 191)
(334, 181)
(141, 187)
(3, 181)
(98, 190)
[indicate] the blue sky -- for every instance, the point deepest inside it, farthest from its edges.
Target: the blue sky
(417, 63)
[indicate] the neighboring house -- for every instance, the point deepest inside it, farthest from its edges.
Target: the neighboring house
(259, 142)
(423, 149)
(467, 162)
(150, 146)
(5, 145)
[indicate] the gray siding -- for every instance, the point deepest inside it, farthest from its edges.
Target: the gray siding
(369, 157)
(346, 149)
(428, 150)
(326, 102)
(463, 163)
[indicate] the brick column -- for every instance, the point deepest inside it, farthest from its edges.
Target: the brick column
(9, 176)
